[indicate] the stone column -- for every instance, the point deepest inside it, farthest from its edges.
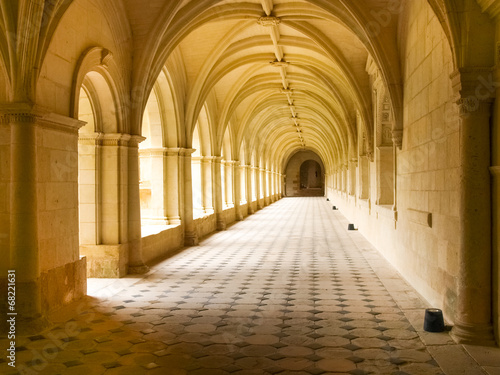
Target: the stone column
(353, 164)
(207, 163)
(135, 260)
(171, 186)
(24, 253)
(474, 305)
(39, 190)
(282, 178)
(190, 234)
(265, 190)
(258, 177)
(237, 189)
(217, 189)
(271, 186)
(249, 172)
(397, 141)
(229, 171)
(495, 173)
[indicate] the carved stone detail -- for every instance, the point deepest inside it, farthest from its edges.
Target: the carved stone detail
(269, 21)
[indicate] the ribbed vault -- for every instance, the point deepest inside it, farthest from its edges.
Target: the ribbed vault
(282, 76)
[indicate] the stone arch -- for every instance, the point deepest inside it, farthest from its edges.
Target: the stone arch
(305, 175)
(310, 175)
(5, 87)
(98, 99)
(98, 72)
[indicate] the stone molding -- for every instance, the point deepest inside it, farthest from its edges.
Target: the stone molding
(135, 140)
(205, 159)
(397, 138)
(474, 92)
(495, 171)
(24, 114)
(279, 64)
(115, 139)
(269, 21)
(90, 139)
(153, 152)
(186, 152)
(423, 218)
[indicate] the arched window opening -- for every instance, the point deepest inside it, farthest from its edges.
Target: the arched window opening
(305, 175)
(243, 176)
(152, 170)
(101, 163)
(227, 172)
(196, 175)
(310, 175)
(88, 161)
(255, 170)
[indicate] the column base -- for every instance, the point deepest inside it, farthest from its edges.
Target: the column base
(174, 220)
(191, 239)
(138, 270)
(30, 326)
(475, 334)
(106, 261)
(221, 223)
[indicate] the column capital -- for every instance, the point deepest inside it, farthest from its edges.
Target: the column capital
(186, 151)
(135, 140)
(23, 113)
(495, 171)
(153, 152)
(269, 21)
(172, 151)
(115, 139)
(474, 89)
(90, 138)
(397, 138)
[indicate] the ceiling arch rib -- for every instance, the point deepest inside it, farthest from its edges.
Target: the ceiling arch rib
(323, 123)
(353, 90)
(279, 71)
(279, 130)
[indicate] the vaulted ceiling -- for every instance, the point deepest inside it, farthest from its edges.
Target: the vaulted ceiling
(281, 75)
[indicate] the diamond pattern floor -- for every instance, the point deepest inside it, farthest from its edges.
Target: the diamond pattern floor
(287, 291)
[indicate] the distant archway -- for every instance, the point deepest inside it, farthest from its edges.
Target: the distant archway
(311, 176)
(305, 175)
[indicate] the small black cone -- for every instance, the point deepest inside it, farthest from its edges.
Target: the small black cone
(433, 321)
(334, 208)
(350, 227)
(328, 199)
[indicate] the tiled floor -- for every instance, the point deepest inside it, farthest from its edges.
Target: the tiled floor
(287, 291)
